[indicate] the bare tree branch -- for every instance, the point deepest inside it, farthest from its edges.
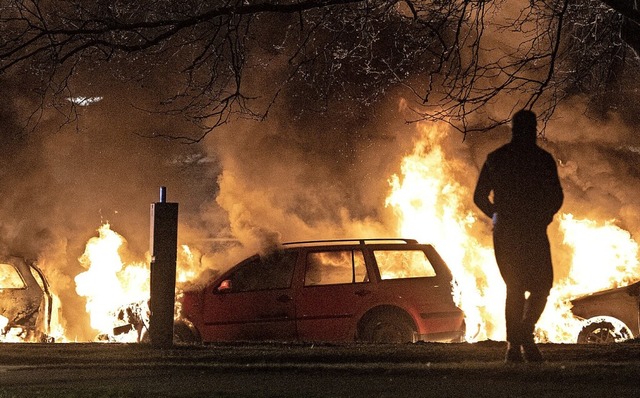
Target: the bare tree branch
(459, 60)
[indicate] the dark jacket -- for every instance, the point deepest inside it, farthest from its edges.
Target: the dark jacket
(525, 184)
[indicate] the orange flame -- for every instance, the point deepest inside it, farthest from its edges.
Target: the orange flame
(109, 284)
(604, 256)
(112, 286)
(427, 201)
(434, 208)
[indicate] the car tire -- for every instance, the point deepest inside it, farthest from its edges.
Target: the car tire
(183, 333)
(604, 332)
(387, 327)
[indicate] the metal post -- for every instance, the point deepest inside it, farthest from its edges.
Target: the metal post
(164, 243)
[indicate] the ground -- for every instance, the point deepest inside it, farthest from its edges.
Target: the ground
(315, 370)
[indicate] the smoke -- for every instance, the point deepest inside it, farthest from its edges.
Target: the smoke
(291, 179)
(301, 174)
(284, 180)
(599, 165)
(68, 176)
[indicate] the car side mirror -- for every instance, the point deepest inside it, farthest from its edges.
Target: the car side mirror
(224, 287)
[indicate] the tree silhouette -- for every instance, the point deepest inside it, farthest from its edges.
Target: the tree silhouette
(234, 58)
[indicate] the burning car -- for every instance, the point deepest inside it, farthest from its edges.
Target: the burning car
(25, 301)
(338, 290)
(610, 315)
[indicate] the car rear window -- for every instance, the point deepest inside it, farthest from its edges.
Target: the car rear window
(397, 264)
(335, 267)
(10, 278)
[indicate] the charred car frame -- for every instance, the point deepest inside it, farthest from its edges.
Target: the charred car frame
(25, 301)
(610, 315)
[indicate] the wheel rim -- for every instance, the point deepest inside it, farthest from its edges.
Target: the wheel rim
(602, 335)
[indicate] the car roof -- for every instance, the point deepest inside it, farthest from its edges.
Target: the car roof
(356, 241)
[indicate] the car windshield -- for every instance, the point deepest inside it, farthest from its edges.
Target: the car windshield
(10, 278)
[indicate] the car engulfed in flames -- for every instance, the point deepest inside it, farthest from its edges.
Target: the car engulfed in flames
(610, 315)
(26, 302)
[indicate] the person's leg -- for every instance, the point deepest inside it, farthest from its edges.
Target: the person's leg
(514, 308)
(534, 305)
(506, 252)
(532, 310)
(539, 283)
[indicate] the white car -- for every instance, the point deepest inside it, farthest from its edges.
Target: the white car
(611, 315)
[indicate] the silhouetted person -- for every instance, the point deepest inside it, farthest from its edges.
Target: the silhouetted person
(523, 179)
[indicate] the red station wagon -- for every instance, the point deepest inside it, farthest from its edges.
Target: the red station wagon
(340, 290)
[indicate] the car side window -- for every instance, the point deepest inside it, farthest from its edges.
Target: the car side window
(396, 264)
(10, 277)
(335, 267)
(273, 271)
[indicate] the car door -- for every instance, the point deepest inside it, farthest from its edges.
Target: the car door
(252, 302)
(20, 295)
(336, 287)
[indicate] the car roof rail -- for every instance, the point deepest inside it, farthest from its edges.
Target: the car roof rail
(359, 241)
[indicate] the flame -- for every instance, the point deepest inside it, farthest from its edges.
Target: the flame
(433, 207)
(428, 203)
(604, 256)
(188, 264)
(111, 286)
(117, 292)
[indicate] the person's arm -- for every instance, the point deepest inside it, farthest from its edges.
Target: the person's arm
(483, 190)
(554, 189)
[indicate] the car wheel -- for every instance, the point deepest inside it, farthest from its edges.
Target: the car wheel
(183, 333)
(604, 331)
(387, 327)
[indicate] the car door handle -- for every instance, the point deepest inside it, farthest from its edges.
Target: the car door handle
(362, 292)
(285, 298)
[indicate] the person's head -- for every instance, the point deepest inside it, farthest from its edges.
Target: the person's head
(524, 127)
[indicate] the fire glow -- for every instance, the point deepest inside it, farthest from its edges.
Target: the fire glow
(109, 285)
(430, 206)
(117, 292)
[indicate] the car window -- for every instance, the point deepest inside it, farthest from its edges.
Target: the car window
(335, 267)
(10, 278)
(396, 264)
(273, 271)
